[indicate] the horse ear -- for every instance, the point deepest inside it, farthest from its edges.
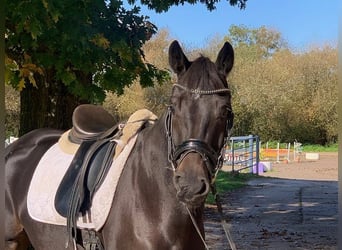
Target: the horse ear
(225, 59)
(177, 60)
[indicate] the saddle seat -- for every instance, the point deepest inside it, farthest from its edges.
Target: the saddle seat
(90, 122)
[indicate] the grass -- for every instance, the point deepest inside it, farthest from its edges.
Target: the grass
(306, 147)
(320, 148)
(227, 181)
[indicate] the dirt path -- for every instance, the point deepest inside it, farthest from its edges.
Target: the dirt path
(293, 207)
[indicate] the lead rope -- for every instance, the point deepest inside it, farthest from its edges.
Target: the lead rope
(196, 227)
(224, 223)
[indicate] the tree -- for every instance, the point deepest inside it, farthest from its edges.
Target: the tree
(12, 111)
(255, 43)
(279, 94)
(161, 6)
(156, 51)
(153, 98)
(318, 68)
(122, 106)
(61, 54)
(253, 49)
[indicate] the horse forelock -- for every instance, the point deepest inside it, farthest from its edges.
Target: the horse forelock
(203, 74)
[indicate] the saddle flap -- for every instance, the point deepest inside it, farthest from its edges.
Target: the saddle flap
(84, 175)
(65, 189)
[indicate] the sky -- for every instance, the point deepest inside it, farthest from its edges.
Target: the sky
(302, 23)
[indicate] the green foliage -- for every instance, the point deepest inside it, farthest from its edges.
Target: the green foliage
(100, 38)
(274, 144)
(277, 94)
(12, 112)
(76, 51)
(135, 97)
(122, 106)
(319, 148)
(255, 44)
(61, 54)
(160, 6)
(281, 95)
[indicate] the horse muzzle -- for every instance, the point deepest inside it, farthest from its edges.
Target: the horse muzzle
(191, 180)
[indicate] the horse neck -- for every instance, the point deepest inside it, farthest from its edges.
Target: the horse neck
(155, 144)
(149, 181)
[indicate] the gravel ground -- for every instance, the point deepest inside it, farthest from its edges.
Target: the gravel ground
(293, 206)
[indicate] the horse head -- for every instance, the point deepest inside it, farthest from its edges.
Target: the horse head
(198, 121)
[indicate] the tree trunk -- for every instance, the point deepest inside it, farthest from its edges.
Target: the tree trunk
(66, 102)
(64, 108)
(34, 108)
(49, 105)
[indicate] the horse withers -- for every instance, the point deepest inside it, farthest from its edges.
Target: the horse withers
(159, 199)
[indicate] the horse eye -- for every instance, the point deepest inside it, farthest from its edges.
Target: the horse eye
(224, 112)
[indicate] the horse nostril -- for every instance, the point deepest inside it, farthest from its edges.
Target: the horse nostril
(204, 187)
(178, 181)
(177, 178)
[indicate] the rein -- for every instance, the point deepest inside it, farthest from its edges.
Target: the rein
(213, 160)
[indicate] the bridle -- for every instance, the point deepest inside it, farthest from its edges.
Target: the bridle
(213, 159)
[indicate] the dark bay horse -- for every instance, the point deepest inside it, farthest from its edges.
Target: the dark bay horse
(166, 179)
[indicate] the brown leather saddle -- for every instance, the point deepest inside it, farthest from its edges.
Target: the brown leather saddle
(91, 122)
(95, 130)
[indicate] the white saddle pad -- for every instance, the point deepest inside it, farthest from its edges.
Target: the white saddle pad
(47, 177)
